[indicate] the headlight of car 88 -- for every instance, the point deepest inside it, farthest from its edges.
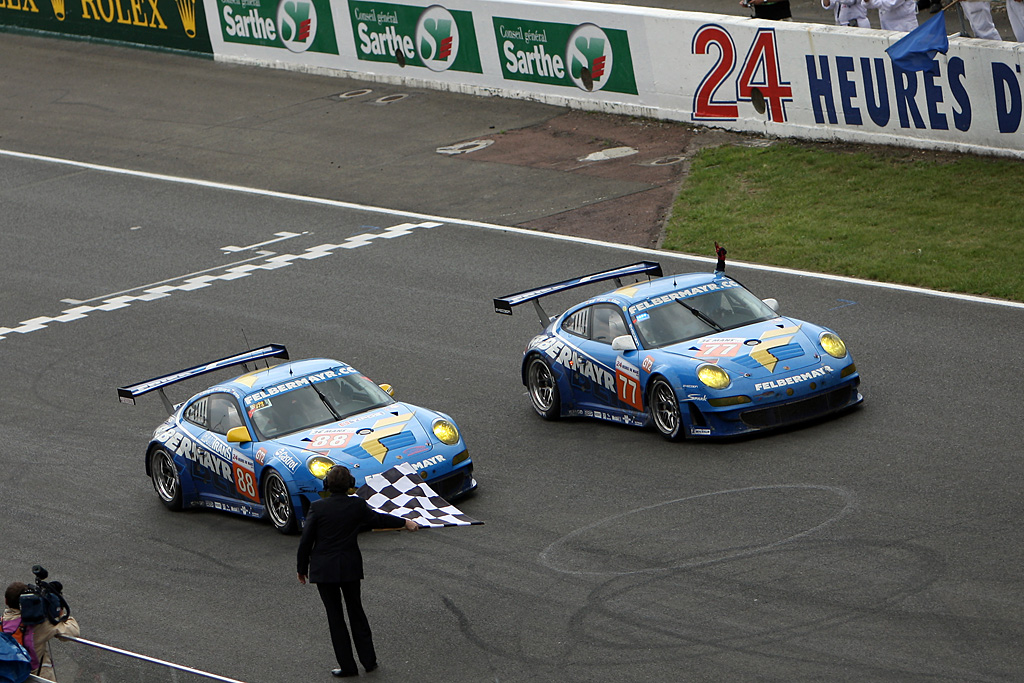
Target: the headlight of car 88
(445, 431)
(832, 344)
(318, 466)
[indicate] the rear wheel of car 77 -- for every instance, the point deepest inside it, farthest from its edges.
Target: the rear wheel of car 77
(665, 412)
(543, 388)
(165, 478)
(278, 503)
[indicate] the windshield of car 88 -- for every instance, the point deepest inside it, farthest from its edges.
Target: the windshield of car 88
(676, 317)
(301, 404)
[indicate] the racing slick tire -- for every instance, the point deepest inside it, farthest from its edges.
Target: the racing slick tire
(665, 413)
(278, 503)
(166, 481)
(543, 388)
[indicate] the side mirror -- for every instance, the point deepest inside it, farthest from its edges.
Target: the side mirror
(239, 435)
(388, 389)
(772, 304)
(624, 343)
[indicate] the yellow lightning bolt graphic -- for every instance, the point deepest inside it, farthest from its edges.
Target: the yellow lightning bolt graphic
(770, 340)
(250, 379)
(382, 429)
(628, 290)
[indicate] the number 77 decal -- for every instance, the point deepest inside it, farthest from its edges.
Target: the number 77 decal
(627, 380)
(759, 77)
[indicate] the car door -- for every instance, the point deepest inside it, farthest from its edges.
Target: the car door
(603, 379)
(224, 472)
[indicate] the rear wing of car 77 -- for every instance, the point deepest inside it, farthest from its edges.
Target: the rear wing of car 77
(504, 304)
(127, 394)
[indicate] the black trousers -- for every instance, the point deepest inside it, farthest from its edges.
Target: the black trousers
(331, 594)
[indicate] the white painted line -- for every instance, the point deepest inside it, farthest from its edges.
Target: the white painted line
(199, 281)
(505, 228)
(259, 255)
(151, 660)
(281, 236)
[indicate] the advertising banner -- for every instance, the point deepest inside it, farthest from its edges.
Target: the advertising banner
(434, 37)
(175, 24)
(584, 56)
(294, 25)
(839, 83)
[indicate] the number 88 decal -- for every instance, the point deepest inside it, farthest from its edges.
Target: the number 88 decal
(759, 81)
(245, 482)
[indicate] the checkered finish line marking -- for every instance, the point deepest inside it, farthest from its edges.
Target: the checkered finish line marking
(200, 281)
(401, 492)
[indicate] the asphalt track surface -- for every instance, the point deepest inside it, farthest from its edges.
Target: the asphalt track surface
(884, 545)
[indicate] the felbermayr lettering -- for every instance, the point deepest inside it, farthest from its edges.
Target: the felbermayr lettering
(795, 379)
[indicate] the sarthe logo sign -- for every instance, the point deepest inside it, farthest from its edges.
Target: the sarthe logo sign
(586, 56)
(436, 38)
(295, 25)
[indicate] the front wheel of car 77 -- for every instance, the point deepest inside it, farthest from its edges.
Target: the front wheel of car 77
(664, 407)
(543, 388)
(166, 481)
(278, 503)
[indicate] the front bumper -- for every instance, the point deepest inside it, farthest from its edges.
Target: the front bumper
(456, 484)
(747, 419)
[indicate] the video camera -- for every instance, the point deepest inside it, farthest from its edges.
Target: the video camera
(43, 600)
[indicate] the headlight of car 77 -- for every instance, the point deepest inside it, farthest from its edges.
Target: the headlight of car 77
(318, 466)
(832, 344)
(445, 431)
(713, 376)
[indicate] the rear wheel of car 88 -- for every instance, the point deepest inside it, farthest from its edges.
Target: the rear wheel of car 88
(543, 388)
(166, 480)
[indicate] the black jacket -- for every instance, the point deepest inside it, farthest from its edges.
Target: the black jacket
(773, 9)
(329, 548)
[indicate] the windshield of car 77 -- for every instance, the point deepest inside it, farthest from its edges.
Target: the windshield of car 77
(310, 404)
(675, 318)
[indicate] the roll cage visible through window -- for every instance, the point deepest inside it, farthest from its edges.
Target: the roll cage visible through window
(600, 322)
(215, 412)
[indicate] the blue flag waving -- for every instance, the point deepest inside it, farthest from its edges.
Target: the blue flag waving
(916, 51)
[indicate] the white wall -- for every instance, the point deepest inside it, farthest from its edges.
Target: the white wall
(817, 81)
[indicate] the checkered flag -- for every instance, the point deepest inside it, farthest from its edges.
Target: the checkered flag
(403, 493)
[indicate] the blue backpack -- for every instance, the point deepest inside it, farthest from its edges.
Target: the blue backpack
(15, 662)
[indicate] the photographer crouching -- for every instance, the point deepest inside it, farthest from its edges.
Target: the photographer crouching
(34, 614)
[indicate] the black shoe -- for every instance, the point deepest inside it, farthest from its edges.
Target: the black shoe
(341, 673)
(372, 667)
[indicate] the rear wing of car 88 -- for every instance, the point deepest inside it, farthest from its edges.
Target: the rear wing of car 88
(127, 394)
(504, 304)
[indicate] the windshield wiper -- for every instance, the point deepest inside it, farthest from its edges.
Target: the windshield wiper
(700, 316)
(326, 402)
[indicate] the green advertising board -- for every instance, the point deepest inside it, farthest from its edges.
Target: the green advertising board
(174, 24)
(295, 25)
(585, 56)
(433, 37)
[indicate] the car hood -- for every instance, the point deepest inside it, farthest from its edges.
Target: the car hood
(758, 350)
(388, 435)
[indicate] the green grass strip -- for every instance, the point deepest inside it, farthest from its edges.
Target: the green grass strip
(946, 222)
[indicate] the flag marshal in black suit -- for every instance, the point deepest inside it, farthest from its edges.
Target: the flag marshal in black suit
(329, 556)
